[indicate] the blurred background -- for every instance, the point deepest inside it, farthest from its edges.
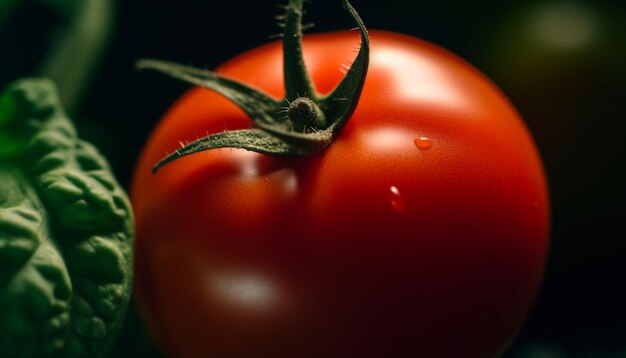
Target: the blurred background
(562, 63)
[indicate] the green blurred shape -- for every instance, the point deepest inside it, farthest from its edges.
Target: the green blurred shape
(77, 33)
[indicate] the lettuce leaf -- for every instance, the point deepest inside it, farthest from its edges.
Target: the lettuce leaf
(66, 233)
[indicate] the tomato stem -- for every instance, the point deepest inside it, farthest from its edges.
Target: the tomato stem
(312, 121)
(304, 114)
(297, 81)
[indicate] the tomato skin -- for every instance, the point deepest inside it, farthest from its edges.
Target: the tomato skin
(372, 248)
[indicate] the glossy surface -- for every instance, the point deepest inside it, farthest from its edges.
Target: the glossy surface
(421, 231)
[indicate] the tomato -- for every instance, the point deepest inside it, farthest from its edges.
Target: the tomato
(421, 231)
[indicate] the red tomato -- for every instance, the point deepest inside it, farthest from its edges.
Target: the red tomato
(421, 231)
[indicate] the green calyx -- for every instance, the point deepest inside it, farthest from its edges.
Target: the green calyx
(303, 123)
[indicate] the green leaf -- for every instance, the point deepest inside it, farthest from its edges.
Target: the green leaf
(66, 233)
(259, 106)
(343, 100)
(249, 139)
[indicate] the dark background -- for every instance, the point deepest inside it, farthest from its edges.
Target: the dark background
(562, 63)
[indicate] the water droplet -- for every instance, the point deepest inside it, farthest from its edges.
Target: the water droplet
(396, 200)
(423, 143)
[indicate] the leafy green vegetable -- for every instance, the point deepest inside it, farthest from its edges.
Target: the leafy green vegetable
(65, 233)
